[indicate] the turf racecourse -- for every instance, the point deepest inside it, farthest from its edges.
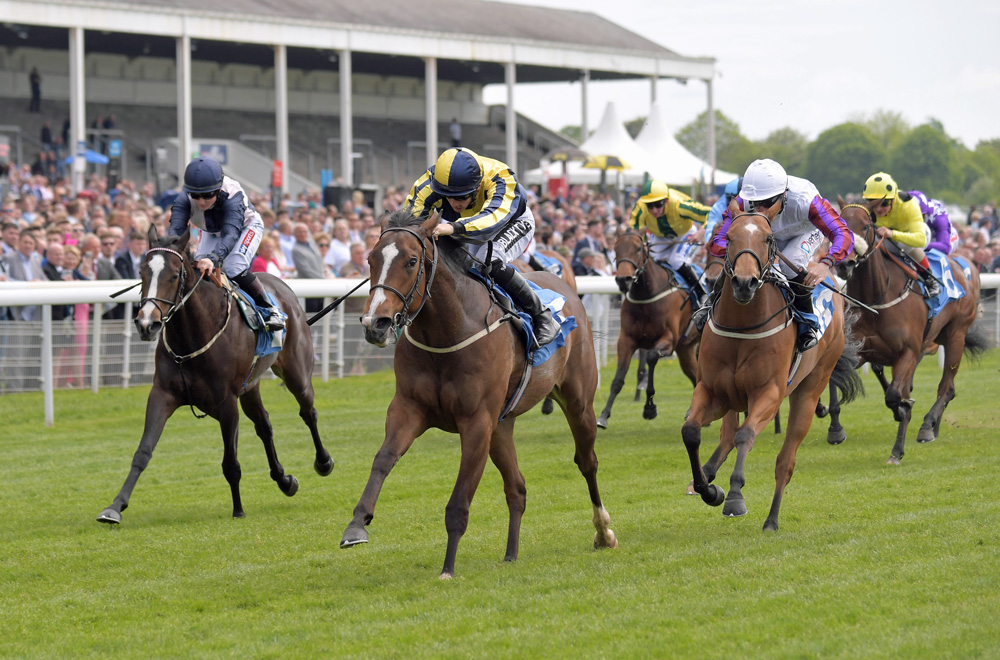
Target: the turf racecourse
(870, 561)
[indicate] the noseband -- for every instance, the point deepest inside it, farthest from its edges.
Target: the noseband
(180, 297)
(403, 318)
(772, 252)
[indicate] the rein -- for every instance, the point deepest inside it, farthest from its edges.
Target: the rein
(404, 318)
(875, 243)
(667, 289)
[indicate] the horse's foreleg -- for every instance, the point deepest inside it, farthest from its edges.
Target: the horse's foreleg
(897, 399)
(649, 411)
(229, 420)
(254, 409)
(403, 423)
(954, 346)
(759, 415)
(504, 457)
(704, 410)
(801, 406)
(625, 350)
(475, 434)
(835, 434)
(159, 407)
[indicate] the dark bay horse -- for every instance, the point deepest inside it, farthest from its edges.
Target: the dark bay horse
(746, 365)
(655, 313)
(900, 333)
(205, 358)
(457, 364)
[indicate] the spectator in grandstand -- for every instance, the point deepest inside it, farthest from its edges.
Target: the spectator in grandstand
(35, 79)
(9, 231)
(308, 262)
(128, 262)
(455, 131)
(340, 246)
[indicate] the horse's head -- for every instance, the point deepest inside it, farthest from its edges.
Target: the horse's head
(860, 220)
(399, 265)
(630, 259)
(164, 272)
(750, 252)
(713, 264)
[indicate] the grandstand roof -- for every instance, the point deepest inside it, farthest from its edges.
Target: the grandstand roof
(471, 39)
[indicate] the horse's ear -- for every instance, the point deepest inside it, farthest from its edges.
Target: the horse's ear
(431, 222)
(841, 201)
(152, 236)
(384, 223)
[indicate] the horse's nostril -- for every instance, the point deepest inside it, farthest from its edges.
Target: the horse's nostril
(381, 324)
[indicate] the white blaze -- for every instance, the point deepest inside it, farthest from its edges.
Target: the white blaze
(156, 263)
(389, 252)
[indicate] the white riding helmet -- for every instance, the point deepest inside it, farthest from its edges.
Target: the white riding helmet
(764, 179)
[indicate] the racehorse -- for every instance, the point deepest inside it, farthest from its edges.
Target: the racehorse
(205, 358)
(457, 363)
(900, 333)
(746, 364)
(655, 313)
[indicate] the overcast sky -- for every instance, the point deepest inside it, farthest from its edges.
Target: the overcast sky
(806, 64)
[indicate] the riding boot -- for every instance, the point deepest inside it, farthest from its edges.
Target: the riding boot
(545, 326)
(535, 263)
(697, 290)
(931, 287)
(700, 317)
(248, 281)
(808, 336)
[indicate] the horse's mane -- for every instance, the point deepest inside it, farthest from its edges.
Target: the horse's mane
(404, 217)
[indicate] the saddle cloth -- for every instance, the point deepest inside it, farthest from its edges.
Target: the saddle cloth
(268, 341)
(951, 290)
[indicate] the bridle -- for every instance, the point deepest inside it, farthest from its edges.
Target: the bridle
(639, 270)
(180, 297)
(871, 233)
(729, 264)
(403, 318)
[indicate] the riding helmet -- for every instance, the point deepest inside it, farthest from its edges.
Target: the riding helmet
(880, 186)
(203, 175)
(764, 179)
(653, 191)
(457, 173)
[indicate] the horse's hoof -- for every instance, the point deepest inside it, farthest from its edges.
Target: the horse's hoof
(445, 576)
(714, 496)
(836, 437)
(354, 536)
(110, 516)
(770, 525)
(602, 422)
(649, 413)
(690, 489)
(735, 508)
(822, 411)
(323, 469)
(607, 540)
(239, 514)
(926, 435)
(292, 488)
(893, 461)
(547, 407)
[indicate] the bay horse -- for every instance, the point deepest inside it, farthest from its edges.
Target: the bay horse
(746, 365)
(457, 363)
(655, 313)
(900, 333)
(208, 361)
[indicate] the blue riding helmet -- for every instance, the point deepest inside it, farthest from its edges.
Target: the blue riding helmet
(202, 175)
(457, 173)
(733, 187)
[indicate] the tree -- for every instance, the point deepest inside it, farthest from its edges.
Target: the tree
(788, 147)
(925, 160)
(733, 151)
(886, 126)
(635, 126)
(842, 157)
(572, 132)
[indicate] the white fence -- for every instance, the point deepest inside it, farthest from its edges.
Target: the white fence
(46, 355)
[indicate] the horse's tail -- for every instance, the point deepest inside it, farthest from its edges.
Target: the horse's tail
(845, 374)
(976, 341)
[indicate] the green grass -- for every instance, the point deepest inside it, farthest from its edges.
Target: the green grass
(870, 561)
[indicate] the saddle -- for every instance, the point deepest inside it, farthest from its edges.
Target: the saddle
(268, 341)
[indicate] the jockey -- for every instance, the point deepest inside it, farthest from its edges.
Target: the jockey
(670, 216)
(898, 217)
(721, 204)
(482, 205)
(230, 229)
(799, 220)
(943, 234)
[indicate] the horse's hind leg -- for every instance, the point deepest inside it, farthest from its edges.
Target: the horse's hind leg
(159, 406)
(253, 407)
(640, 374)
(836, 433)
(625, 350)
(800, 415)
(298, 380)
(504, 456)
(475, 433)
(579, 411)
(954, 346)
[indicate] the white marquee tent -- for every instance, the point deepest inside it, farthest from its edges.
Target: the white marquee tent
(675, 164)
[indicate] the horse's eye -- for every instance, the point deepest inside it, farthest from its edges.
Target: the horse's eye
(412, 262)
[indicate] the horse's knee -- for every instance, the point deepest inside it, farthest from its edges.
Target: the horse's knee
(691, 434)
(232, 472)
(456, 518)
